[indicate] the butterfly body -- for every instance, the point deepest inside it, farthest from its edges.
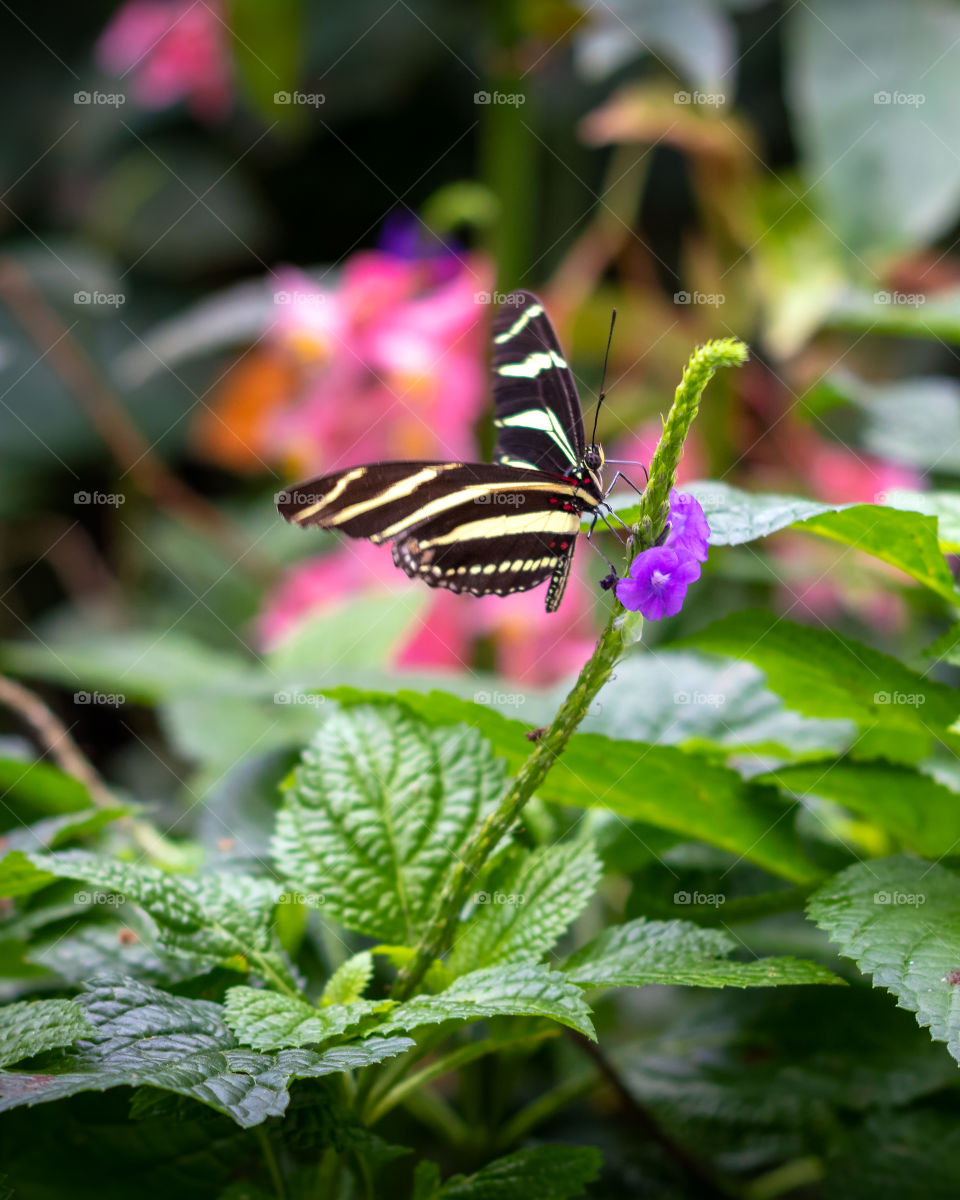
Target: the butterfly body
(483, 528)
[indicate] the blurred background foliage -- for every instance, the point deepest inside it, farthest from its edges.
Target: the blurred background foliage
(247, 242)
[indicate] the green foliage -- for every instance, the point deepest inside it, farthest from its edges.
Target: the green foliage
(369, 820)
(643, 952)
(268, 1021)
(349, 981)
(29, 1028)
(142, 1035)
(899, 918)
(546, 1173)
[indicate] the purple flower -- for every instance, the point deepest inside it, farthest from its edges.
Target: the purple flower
(689, 531)
(657, 583)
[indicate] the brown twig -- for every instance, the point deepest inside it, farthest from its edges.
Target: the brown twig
(55, 739)
(642, 1119)
(107, 413)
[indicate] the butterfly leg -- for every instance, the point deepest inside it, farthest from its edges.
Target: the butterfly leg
(626, 479)
(598, 517)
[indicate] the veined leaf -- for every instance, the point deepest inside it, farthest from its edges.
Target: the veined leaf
(516, 989)
(899, 919)
(349, 981)
(664, 786)
(679, 952)
(541, 1173)
(146, 1036)
(32, 1026)
(920, 812)
(526, 905)
(268, 1021)
(216, 917)
(376, 812)
(822, 673)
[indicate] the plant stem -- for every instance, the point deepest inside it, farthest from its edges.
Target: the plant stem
(654, 511)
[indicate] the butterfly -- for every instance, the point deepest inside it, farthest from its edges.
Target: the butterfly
(484, 528)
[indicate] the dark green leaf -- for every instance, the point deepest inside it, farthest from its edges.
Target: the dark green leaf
(30, 1027)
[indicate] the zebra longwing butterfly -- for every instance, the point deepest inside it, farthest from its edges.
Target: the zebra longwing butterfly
(485, 528)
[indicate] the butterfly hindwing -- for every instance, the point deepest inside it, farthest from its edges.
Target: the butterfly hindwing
(537, 410)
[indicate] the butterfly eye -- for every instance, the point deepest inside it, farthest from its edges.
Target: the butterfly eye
(593, 459)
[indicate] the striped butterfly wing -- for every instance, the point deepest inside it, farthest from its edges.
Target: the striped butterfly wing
(537, 410)
(482, 528)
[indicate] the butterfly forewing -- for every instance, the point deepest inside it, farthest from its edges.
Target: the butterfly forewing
(537, 410)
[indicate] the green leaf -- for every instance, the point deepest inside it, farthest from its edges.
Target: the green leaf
(892, 533)
(541, 1173)
(899, 919)
(375, 813)
(53, 832)
(679, 952)
(268, 1021)
(146, 1036)
(661, 785)
(840, 57)
(30, 1027)
(19, 877)
(906, 540)
(920, 812)
(824, 674)
(944, 506)
(526, 905)
(215, 917)
(39, 789)
(110, 947)
(517, 989)
(142, 666)
(349, 981)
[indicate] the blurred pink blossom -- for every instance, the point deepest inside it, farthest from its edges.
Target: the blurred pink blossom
(839, 475)
(530, 646)
(393, 363)
(172, 50)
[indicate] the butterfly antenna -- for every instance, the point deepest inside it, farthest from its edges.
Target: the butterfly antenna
(603, 378)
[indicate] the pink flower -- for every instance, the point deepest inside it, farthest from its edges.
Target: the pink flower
(529, 645)
(841, 476)
(393, 364)
(172, 50)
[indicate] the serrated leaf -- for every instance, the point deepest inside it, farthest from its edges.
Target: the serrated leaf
(32, 1026)
(349, 981)
(899, 919)
(147, 1036)
(679, 952)
(920, 812)
(375, 813)
(517, 989)
(268, 1021)
(822, 673)
(216, 917)
(522, 911)
(662, 785)
(541, 1173)
(110, 947)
